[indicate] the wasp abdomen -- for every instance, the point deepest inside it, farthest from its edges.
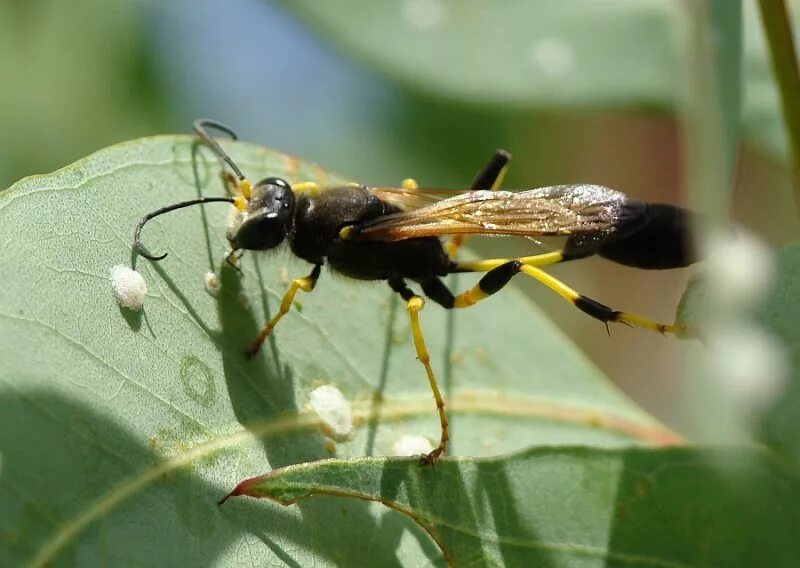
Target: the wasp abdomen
(660, 239)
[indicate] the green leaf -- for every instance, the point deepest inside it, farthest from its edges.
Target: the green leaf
(120, 430)
(725, 26)
(775, 426)
(577, 506)
(74, 63)
(780, 314)
(552, 54)
(529, 54)
(763, 118)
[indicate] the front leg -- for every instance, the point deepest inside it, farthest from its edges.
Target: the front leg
(306, 284)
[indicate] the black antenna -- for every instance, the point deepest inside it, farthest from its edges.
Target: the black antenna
(137, 244)
(201, 126)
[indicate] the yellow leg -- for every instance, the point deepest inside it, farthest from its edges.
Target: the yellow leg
(306, 285)
(498, 277)
(414, 305)
(239, 189)
(544, 259)
(598, 310)
(230, 182)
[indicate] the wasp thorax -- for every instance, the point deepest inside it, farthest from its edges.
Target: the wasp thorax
(269, 214)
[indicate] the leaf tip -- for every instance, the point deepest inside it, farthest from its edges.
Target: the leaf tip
(246, 487)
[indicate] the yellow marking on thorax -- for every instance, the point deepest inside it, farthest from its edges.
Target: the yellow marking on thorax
(310, 187)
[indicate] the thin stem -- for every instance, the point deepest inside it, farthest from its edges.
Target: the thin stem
(775, 17)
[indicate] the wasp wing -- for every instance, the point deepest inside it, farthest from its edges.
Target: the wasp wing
(548, 211)
(412, 199)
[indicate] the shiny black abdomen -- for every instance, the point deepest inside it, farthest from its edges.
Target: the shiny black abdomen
(315, 238)
(648, 236)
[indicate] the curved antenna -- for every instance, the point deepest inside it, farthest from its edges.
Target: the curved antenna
(137, 244)
(201, 126)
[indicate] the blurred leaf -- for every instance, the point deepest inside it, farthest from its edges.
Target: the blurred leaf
(712, 101)
(781, 314)
(763, 119)
(552, 54)
(79, 76)
(778, 426)
(725, 27)
(120, 430)
(577, 506)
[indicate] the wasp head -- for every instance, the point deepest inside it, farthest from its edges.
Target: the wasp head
(267, 219)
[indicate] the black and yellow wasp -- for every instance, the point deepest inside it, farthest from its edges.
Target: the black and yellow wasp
(395, 234)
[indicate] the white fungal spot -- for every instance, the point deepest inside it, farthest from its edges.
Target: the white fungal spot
(129, 287)
(334, 410)
(212, 283)
(552, 56)
(412, 445)
(424, 14)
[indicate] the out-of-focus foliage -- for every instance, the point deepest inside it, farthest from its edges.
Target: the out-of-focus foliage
(77, 76)
(550, 54)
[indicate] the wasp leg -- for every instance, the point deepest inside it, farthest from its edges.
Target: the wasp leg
(232, 259)
(497, 278)
(234, 189)
(489, 177)
(240, 190)
(544, 259)
(414, 305)
(306, 285)
(230, 182)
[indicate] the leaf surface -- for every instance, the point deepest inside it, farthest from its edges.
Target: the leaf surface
(120, 430)
(565, 506)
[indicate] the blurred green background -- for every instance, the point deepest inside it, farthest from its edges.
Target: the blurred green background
(385, 90)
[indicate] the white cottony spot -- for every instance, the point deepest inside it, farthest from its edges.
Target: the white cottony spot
(333, 409)
(212, 283)
(409, 445)
(129, 287)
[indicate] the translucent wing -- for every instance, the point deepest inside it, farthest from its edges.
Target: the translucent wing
(411, 199)
(548, 211)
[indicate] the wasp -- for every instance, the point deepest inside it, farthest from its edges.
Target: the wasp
(410, 234)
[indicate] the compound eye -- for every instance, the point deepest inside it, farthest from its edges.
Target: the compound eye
(280, 182)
